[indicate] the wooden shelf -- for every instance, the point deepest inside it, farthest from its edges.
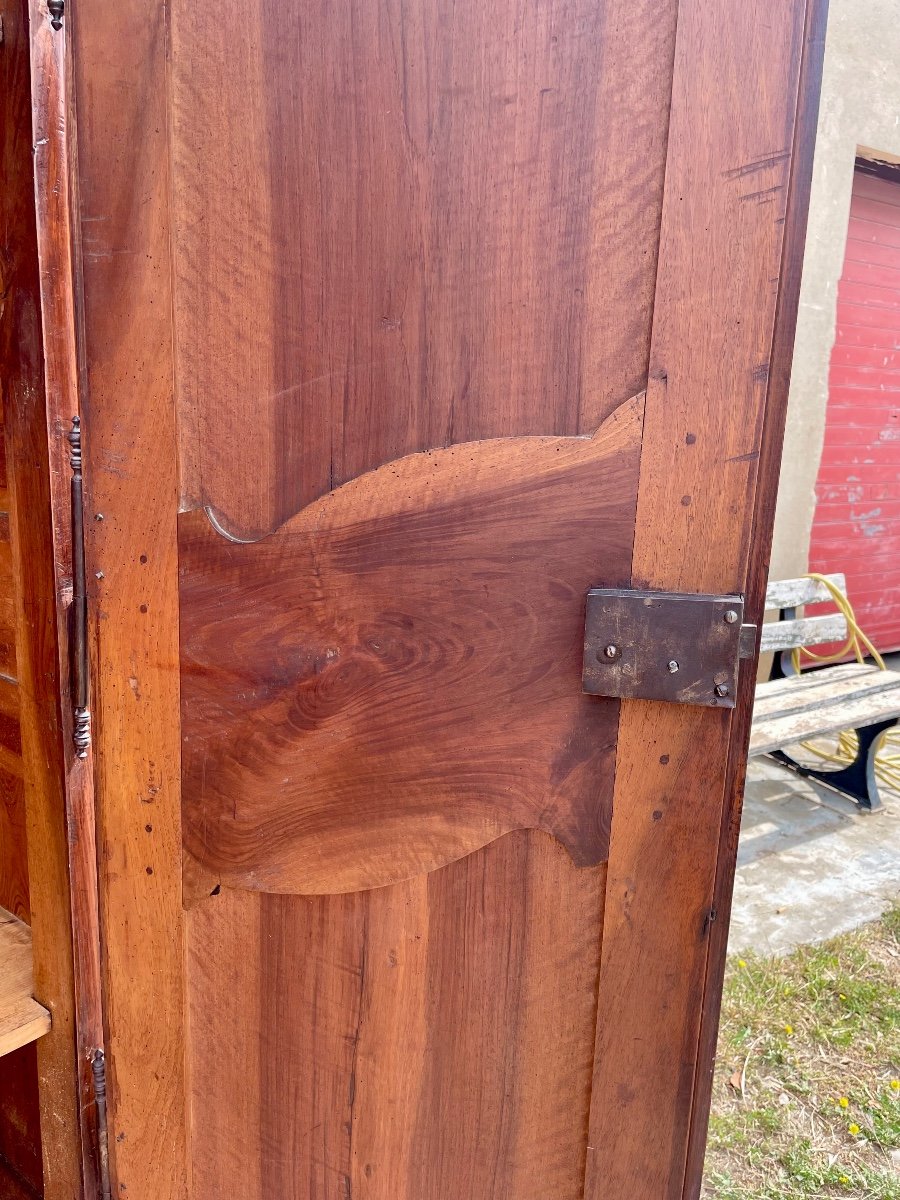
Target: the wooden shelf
(22, 1019)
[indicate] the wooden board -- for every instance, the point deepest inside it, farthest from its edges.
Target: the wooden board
(44, 1139)
(820, 687)
(727, 178)
(849, 712)
(399, 713)
(791, 593)
(803, 631)
(331, 340)
(383, 1103)
(411, 229)
(22, 1019)
(117, 94)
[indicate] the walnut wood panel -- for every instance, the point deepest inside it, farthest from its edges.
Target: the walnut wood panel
(394, 678)
(398, 227)
(428, 1039)
(731, 134)
(296, 178)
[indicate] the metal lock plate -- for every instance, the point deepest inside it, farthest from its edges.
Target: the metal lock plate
(663, 646)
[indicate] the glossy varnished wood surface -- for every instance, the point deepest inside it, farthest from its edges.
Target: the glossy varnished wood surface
(37, 329)
(397, 227)
(429, 1039)
(393, 679)
(326, 322)
(131, 493)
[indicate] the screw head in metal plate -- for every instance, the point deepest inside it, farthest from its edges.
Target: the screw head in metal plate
(729, 616)
(672, 666)
(721, 689)
(608, 652)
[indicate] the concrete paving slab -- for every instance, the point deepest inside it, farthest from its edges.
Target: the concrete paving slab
(810, 863)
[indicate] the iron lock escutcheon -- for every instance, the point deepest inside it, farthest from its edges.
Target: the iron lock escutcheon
(672, 646)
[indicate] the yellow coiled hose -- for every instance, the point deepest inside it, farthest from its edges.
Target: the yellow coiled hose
(887, 756)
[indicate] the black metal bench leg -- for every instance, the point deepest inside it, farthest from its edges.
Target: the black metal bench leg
(856, 780)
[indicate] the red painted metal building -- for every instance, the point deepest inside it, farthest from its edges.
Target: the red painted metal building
(857, 521)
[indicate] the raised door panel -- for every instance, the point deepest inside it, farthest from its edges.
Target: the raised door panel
(409, 408)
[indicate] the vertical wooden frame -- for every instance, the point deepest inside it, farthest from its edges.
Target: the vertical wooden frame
(758, 568)
(41, 396)
(733, 189)
(57, 786)
(131, 498)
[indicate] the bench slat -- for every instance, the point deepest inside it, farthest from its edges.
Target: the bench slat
(779, 732)
(830, 690)
(791, 593)
(812, 679)
(803, 631)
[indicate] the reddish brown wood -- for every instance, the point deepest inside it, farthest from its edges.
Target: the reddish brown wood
(370, 288)
(131, 492)
(423, 1054)
(393, 679)
(713, 329)
(758, 567)
(395, 229)
(40, 364)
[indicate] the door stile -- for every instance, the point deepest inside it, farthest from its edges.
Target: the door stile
(758, 571)
(61, 844)
(120, 90)
(730, 145)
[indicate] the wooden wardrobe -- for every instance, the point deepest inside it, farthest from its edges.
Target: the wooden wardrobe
(392, 404)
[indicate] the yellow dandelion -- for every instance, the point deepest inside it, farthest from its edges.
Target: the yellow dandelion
(789, 1029)
(742, 963)
(841, 996)
(844, 1102)
(854, 1129)
(845, 1179)
(895, 1085)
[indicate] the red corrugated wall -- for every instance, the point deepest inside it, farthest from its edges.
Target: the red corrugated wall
(857, 520)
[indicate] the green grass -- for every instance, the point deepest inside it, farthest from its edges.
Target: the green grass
(806, 1099)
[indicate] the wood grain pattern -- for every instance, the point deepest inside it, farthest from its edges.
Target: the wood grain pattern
(61, 835)
(394, 678)
(38, 356)
(811, 50)
(21, 1169)
(22, 1019)
(338, 331)
(428, 1039)
(412, 225)
(803, 631)
(119, 83)
(791, 593)
(720, 258)
(816, 713)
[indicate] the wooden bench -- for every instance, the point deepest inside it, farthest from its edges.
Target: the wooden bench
(792, 708)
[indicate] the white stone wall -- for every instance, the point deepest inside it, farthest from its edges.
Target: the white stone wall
(860, 113)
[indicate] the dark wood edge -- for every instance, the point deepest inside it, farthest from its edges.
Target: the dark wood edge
(758, 571)
(878, 167)
(52, 119)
